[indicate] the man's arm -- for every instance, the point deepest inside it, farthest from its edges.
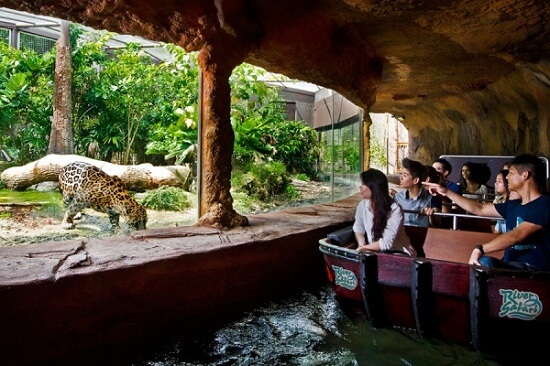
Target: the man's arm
(473, 206)
(504, 241)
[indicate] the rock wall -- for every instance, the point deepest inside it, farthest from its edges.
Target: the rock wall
(509, 117)
(470, 75)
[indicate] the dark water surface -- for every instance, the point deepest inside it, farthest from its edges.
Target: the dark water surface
(311, 328)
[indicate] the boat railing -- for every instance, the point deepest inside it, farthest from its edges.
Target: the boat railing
(455, 216)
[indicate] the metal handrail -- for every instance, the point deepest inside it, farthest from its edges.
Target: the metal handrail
(455, 216)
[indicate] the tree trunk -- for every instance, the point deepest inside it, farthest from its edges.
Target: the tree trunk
(367, 122)
(216, 140)
(61, 135)
(135, 177)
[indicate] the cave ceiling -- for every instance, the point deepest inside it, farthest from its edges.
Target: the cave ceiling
(386, 55)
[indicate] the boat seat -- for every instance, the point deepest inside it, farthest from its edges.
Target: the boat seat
(345, 236)
(342, 236)
(522, 266)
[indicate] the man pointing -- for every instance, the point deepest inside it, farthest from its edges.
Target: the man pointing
(527, 239)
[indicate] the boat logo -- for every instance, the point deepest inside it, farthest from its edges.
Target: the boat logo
(345, 278)
(522, 305)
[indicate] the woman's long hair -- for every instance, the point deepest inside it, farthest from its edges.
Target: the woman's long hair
(504, 173)
(380, 201)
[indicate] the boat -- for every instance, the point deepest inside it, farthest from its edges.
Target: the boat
(438, 294)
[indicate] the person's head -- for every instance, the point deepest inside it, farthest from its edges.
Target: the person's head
(501, 184)
(433, 176)
(413, 174)
(524, 168)
(443, 167)
(374, 187)
(374, 184)
(475, 172)
(466, 170)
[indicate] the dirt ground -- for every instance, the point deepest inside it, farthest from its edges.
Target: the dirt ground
(25, 224)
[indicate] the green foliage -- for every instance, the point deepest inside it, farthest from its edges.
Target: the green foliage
(263, 180)
(378, 154)
(119, 99)
(133, 108)
(166, 198)
(301, 176)
(291, 192)
(30, 196)
(262, 133)
(344, 155)
(297, 146)
(26, 105)
(51, 209)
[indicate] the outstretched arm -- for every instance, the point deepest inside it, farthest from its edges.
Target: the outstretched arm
(504, 241)
(473, 206)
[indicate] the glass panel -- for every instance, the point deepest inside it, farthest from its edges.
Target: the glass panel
(5, 35)
(35, 43)
(340, 158)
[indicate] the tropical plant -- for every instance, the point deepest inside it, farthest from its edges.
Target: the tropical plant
(378, 153)
(130, 107)
(263, 180)
(166, 198)
(297, 146)
(26, 90)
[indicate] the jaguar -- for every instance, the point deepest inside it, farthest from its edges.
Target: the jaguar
(86, 186)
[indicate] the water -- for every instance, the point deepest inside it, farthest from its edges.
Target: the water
(310, 329)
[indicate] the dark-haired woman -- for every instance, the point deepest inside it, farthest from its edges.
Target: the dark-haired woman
(379, 220)
(503, 194)
(473, 180)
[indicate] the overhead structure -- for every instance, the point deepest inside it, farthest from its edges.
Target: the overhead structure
(464, 76)
(39, 33)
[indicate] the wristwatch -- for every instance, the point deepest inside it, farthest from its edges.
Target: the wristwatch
(480, 247)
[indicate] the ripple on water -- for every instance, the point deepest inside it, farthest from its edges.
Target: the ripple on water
(311, 329)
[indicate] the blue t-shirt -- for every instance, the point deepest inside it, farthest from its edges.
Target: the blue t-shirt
(535, 249)
(454, 187)
(424, 199)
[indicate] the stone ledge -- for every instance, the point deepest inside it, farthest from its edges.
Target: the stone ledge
(62, 298)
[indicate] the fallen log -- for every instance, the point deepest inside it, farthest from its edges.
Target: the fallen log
(136, 177)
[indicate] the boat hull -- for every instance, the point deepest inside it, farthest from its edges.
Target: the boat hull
(452, 301)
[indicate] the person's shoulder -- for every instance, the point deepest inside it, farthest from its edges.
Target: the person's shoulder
(401, 195)
(396, 207)
(455, 187)
(545, 199)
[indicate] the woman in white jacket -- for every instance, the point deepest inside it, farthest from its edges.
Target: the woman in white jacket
(379, 220)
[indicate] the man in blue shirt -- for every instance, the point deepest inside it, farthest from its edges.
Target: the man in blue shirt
(445, 168)
(527, 239)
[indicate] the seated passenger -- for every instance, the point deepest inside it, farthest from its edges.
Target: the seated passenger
(414, 197)
(503, 194)
(435, 177)
(379, 220)
(444, 168)
(527, 239)
(473, 180)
